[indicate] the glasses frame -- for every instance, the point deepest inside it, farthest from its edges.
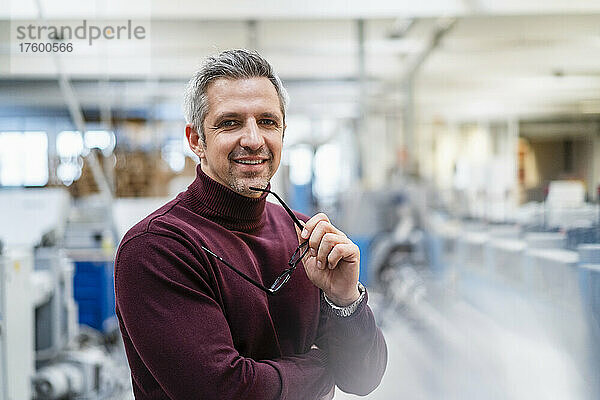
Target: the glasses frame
(295, 259)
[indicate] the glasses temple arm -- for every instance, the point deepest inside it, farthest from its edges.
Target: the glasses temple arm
(240, 273)
(289, 211)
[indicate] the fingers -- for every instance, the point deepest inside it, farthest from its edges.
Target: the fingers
(311, 223)
(318, 233)
(328, 243)
(343, 251)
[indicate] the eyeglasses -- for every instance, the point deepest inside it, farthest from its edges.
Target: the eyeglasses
(297, 256)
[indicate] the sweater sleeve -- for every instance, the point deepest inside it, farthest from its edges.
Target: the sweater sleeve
(180, 334)
(356, 348)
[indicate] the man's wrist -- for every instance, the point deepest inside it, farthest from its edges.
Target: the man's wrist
(349, 309)
(344, 301)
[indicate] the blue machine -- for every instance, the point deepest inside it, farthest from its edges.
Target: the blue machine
(94, 293)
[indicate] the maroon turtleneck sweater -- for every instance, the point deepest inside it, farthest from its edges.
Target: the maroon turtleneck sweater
(194, 329)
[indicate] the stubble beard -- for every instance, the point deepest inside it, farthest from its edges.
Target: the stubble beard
(242, 184)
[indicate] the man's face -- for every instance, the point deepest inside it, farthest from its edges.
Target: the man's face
(243, 134)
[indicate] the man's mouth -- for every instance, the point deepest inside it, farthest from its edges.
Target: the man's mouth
(250, 162)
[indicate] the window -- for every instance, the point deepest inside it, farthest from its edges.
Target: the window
(173, 152)
(103, 140)
(328, 171)
(23, 158)
(69, 147)
(69, 144)
(300, 159)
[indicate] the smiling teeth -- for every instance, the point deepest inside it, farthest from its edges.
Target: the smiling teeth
(249, 162)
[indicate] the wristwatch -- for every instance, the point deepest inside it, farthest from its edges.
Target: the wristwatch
(349, 309)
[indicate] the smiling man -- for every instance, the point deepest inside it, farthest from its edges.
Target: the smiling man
(245, 134)
(222, 295)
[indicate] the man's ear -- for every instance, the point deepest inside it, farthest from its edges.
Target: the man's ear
(194, 141)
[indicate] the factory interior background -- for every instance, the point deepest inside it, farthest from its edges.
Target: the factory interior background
(456, 142)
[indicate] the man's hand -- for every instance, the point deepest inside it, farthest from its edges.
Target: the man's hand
(333, 261)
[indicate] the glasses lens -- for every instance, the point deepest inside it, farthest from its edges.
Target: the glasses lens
(300, 252)
(281, 280)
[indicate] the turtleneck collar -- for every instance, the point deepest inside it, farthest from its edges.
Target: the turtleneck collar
(222, 205)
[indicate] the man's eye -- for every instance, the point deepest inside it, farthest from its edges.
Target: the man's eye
(227, 123)
(268, 122)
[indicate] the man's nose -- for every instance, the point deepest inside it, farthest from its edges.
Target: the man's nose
(252, 138)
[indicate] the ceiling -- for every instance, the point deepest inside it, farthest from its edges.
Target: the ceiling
(467, 60)
(285, 9)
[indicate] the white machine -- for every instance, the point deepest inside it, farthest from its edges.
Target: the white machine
(42, 354)
(17, 364)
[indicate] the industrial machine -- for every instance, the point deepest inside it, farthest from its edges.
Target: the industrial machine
(17, 364)
(45, 352)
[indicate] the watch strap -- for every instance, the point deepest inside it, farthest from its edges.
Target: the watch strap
(349, 309)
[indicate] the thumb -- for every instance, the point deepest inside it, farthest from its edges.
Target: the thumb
(298, 232)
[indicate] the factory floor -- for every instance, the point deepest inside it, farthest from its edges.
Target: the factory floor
(478, 340)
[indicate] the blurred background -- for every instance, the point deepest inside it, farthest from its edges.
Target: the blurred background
(456, 142)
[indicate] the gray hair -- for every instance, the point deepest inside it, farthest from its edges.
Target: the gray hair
(230, 64)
